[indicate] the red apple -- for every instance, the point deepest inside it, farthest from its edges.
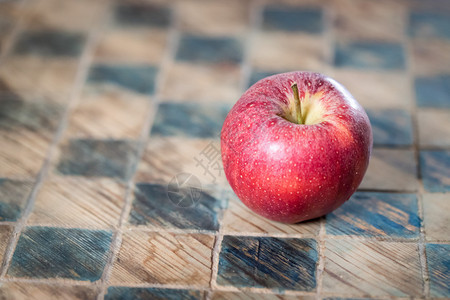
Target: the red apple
(292, 158)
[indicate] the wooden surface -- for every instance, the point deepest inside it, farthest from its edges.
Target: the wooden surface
(106, 107)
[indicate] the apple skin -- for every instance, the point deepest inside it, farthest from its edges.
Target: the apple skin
(291, 172)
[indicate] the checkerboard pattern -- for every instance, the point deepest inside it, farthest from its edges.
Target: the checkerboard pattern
(108, 107)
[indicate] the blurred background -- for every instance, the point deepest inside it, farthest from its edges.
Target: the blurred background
(110, 70)
(103, 104)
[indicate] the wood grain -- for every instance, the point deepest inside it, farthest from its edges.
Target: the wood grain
(166, 258)
(372, 269)
(31, 291)
(78, 202)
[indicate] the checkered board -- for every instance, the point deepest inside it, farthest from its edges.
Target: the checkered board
(107, 108)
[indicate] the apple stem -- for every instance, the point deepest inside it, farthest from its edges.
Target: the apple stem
(298, 104)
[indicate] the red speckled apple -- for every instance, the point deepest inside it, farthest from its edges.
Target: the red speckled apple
(295, 146)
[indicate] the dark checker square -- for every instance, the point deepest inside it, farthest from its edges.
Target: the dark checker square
(435, 168)
(376, 214)
(98, 158)
(152, 206)
(129, 293)
(36, 115)
(140, 79)
(429, 25)
(209, 49)
(142, 14)
(189, 119)
(370, 55)
(272, 263)
(257, 75)
(438, 256)
(292, 19)
(391, 127)
(47, 252)
(13, 198)
(49, 43)
(433, 91)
